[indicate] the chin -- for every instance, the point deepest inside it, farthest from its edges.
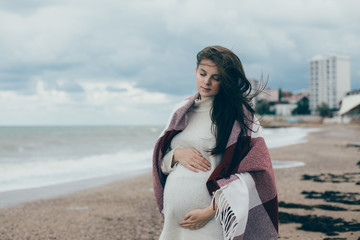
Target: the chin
(206, 96)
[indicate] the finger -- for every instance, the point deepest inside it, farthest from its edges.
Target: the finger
(202, 165)
(196, 152)
(187, 227)
(186, 224)
(199, 156)
(201, 159)
(191, 167)
(199, 166)
(191, 227)
(205, 161)
(182, 223)
(187, 216)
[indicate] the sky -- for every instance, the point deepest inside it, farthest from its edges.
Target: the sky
(115, 62)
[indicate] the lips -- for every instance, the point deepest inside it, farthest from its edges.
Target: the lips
(206, 89)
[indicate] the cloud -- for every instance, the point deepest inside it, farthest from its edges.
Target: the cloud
(115, 89)
(94, 104)
(148, 47)
(65, 86)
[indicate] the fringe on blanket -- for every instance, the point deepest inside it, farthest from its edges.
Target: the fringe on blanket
(225, 215)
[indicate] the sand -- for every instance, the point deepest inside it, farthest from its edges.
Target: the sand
(127, 209)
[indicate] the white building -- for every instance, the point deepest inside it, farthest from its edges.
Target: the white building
(284, 109)
(350, 105)
(329, 80)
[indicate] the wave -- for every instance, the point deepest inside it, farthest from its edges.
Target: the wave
(23, 175)
(281, 137)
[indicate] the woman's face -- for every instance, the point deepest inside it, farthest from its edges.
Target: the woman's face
(207, 79)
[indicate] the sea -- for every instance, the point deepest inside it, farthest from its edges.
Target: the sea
(39, 156)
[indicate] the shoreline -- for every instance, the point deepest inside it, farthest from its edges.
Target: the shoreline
(17, 196)
(20, 196)
(126, 209)
(316, 192)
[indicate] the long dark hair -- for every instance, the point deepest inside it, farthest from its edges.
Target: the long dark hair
(233, 98)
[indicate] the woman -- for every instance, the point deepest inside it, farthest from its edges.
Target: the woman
(212, 172)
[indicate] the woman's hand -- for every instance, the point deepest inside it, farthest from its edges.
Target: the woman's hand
(191, 159)
(197, 218)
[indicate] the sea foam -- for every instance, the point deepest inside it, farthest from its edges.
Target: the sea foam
(23, 175)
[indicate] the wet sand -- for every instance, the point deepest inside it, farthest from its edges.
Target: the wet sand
(126, 209)
(328, 163)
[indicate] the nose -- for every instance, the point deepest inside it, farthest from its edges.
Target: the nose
(207, 80)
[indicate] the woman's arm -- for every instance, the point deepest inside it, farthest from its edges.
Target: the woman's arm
(198, 218)
(166, 165)
(188, 157)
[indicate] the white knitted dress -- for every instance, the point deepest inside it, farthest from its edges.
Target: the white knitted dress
(186, 190)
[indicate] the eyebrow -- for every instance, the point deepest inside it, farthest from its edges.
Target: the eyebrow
(216, 75)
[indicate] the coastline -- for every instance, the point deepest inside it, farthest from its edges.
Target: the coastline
(126, 209)
(54, 187)
(14, 197)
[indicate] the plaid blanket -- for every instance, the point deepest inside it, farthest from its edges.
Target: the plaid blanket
(245, 172)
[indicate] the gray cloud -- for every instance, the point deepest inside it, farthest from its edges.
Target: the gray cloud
(153, 44)
(13, 83)
(156, 46)
(115, 89)
(24, 7)
(66, 86)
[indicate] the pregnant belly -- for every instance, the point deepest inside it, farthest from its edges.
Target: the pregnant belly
(184, 191)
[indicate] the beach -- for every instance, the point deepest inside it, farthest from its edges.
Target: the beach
(323, 190)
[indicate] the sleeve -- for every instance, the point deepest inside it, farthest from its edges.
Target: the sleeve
(166, 167)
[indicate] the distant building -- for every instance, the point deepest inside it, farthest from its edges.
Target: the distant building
(284, 109)
(279, 102)
(270, 95)
(329, 80)
(288, 103)
(350, 105)
(305, 91)
(295, 98)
